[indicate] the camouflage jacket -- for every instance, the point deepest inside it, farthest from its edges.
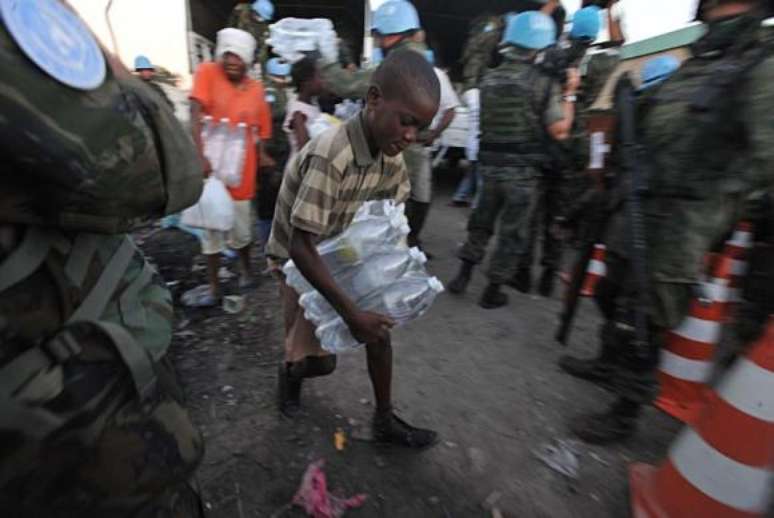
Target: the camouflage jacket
(354, 84)
(707, 145)
(245, 18)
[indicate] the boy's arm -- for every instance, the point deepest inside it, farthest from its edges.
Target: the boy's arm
(366, 327)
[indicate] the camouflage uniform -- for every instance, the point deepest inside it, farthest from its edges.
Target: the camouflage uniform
(91, 417)
(244, 17)
(517, 103)
(479, 50)
(701, 165)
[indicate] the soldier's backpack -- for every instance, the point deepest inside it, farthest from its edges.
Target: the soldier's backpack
(88, 160)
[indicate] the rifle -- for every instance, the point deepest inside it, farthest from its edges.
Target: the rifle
(597, 225)
(632, 168)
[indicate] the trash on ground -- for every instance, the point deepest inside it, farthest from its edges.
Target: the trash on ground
(340, 439)
(233, 304)
(225, 274)
(198, 297)
(314, 499)
(562, 457)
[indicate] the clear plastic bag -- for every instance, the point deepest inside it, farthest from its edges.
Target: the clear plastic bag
(214, 210)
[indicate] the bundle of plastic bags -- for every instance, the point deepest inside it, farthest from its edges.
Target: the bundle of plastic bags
(291, 38)
(372, 264)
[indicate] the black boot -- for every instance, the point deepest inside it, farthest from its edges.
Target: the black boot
(493, 298)
(546, 286)
(288, 391)
(617, 424)
(598, 370)
(522, 281)
(460, 283)
(390, 429)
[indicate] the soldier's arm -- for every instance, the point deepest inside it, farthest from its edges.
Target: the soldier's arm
(345, 83)
(561, 128)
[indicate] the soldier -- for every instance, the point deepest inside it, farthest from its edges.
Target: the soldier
(92, 422)
(519, 105)
(147, 72)
(397, 24)
(480, 52)
(254, 18)
(564, 171)
(706, 138)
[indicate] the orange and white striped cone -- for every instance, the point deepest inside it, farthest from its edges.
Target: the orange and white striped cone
(738, 249)
(724, 467)
(688, 352)
(595, 270)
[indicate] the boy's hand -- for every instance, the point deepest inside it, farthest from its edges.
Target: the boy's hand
(370, 328)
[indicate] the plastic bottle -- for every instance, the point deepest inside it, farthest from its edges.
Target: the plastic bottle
(403, 301)
(216, 141)
(358, 282)
(233, 155)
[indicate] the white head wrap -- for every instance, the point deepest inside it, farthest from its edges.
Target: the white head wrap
(237, 42)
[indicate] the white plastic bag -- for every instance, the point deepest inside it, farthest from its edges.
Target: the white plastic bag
(214, 210)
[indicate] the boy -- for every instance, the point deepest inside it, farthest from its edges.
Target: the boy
(323, 188)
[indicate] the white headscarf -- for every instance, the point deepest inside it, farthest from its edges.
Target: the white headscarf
(237, 42)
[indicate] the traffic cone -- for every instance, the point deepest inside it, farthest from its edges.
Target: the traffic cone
(738, 249)
(689, 349)
(724, 467)
(595, 270)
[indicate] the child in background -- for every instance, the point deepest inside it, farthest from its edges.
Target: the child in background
(278, 73)
(304, 109)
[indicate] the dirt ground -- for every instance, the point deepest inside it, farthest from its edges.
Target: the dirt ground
(487, 381)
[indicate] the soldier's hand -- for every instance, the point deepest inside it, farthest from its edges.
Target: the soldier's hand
(573, 81)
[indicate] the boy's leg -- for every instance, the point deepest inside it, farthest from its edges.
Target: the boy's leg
(389, 428)
(304, 357)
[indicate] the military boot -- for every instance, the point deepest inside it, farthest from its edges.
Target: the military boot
(598, 370)
(493, 298)
(617, 424)
(522, 281)
(461, 281)
(546, 286)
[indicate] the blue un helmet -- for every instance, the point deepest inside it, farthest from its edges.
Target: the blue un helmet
(143, 63)
(586, 23)
(278, 67)
(530, 30)
(396, 17)
(657, 70)
(264, 8)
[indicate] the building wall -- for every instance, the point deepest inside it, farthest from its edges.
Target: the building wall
(155, 28)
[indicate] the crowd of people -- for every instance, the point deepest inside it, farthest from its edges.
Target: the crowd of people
(85, 320)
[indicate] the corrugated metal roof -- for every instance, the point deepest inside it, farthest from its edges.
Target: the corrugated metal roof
(671, 40)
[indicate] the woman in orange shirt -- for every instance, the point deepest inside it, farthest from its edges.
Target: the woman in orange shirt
(222, 89)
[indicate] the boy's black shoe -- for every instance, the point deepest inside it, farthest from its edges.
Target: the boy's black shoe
(493, 298)
(288, 392)
(391, 429)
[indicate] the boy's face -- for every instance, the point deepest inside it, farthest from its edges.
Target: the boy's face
(395, 123)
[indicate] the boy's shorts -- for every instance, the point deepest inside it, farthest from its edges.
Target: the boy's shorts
(215, 241)
(300, 340)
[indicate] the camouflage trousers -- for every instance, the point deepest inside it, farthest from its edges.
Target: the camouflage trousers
(547, 209)
(504, 208)
(634, 367)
